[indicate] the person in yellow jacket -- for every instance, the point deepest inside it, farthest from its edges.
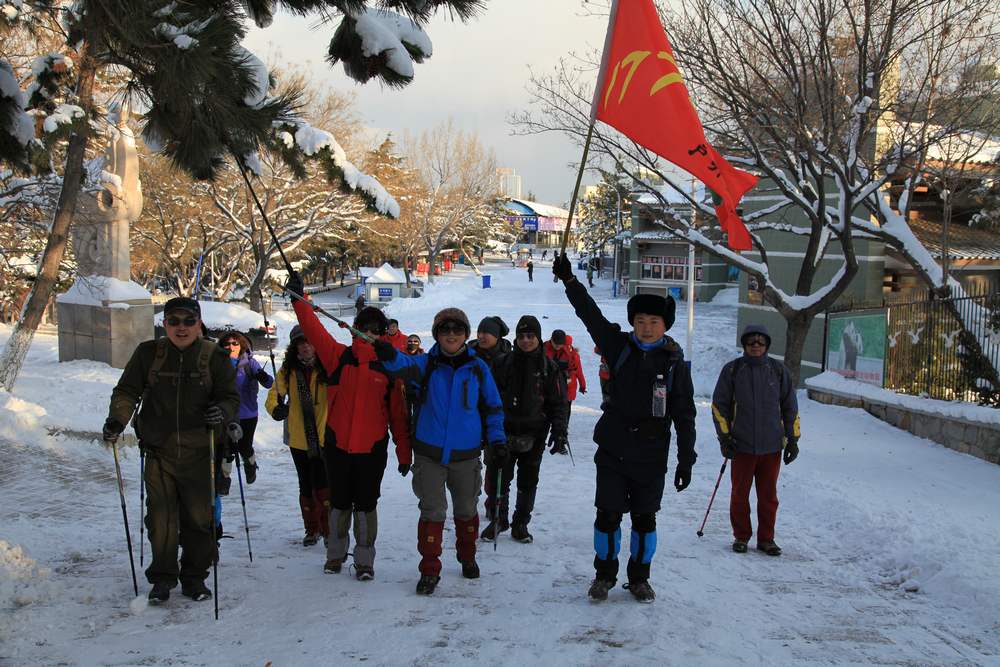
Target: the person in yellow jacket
(298, 397)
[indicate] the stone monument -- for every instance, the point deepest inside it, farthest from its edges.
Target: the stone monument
(104, 315)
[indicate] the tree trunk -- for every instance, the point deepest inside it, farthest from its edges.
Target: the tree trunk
(795, 338)
(20, 339)
(406, 270)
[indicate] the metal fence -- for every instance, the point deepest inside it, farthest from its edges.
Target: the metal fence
(927, 353)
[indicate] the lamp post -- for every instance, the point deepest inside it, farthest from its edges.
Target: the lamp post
(618, 227)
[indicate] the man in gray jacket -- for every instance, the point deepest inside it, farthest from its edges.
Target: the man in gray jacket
(756, 415)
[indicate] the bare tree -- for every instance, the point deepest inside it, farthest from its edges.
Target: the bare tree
(457, 178)
(825, 100)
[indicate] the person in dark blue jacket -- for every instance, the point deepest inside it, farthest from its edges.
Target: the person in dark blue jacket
(756, 417)
(456, 400)
(650, 388)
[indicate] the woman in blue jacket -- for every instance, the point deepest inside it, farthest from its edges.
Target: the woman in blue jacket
(456, 399)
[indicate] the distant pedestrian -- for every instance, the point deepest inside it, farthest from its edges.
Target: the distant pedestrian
(531, 271)
(359, 305)
(590, 273)
(560, 349)
(394, 336)
(413, 345)
(544, 253)
(756, 416)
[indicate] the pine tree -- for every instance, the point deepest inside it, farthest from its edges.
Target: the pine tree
(207, 98)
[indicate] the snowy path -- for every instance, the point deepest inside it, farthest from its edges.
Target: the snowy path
(891, 546)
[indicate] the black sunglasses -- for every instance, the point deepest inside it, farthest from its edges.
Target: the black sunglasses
(447, 329)
(177, 321)
(231, 343)
(756, 341)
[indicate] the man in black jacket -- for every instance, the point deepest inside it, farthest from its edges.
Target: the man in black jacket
(650, 387)
(490, 343)
(534, 398)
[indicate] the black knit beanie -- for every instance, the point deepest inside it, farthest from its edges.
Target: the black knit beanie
(529, 323)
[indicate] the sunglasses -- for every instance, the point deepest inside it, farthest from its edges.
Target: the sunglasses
(756, 341)
(177, 321)
(448, 329)
(231, 343)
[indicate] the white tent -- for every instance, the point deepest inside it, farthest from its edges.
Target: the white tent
(384, 284)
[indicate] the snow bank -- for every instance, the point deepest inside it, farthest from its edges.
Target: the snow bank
(97, 290)
(954, 410)
(22, 581)
(727, 297)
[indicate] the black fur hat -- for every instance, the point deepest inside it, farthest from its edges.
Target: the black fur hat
(652, 304)
(369, 315)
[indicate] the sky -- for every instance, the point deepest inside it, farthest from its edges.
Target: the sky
(478, 76)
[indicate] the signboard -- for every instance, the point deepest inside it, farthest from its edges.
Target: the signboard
(385, 294)
(529, 223)
(855, 345)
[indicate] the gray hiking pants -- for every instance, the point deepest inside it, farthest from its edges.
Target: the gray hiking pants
(463, 479)
(365, 532)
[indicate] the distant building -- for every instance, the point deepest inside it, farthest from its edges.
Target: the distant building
(509, 183)
(541, 224)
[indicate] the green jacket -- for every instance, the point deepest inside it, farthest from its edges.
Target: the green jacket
(175, 394)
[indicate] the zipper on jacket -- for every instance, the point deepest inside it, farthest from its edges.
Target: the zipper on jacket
(177, 405)
(465, 394)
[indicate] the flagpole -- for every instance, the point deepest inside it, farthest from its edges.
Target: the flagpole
(576, 189)
(690, 304)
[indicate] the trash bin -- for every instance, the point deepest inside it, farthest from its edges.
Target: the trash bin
(675, 292)
(486, 281)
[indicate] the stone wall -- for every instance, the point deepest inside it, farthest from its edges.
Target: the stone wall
(976, 438)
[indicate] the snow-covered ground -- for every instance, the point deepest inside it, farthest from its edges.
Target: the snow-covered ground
(891, 543)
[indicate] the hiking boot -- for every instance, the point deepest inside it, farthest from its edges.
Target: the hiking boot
(770, 548)
(739, 546)
(640, 590)
(599, 589)
(310, 539)
(159, 594)
(427, 584)
(364, 573)
(223, 485)
(519, 531)
(196, 590)
(494, 528)
(250, 468)
(470, 569)
(332, 566)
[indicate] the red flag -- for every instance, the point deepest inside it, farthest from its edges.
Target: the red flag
(641, 93)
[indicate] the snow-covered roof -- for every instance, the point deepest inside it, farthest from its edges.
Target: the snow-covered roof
(964, 242)
(543, 209)
(386, 274)
(368, 271)
(671, 195)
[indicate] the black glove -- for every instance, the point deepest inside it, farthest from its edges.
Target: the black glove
(112, 429)
(213, 416)
(280, 412)
(791, 450)
(234, 431)
(403, 468)
(682, 477)
(727, 445)
(384, 350)
(561, 268)
(294, 284)
(501, 453)
(262, 376)
(558, 443)
(582, 390)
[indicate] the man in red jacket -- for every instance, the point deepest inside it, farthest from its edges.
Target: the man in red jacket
(394, 336)
(364, 402)
(560, 349)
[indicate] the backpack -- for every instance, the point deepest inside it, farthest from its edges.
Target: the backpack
(204, 360)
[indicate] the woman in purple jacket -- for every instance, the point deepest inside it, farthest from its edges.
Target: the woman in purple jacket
(249, 376)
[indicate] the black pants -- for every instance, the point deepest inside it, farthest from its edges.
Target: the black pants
(311, 472)
(355, 480)
(528, 465)
(628, 487)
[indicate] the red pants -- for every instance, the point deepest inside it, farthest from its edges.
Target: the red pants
(760, 471)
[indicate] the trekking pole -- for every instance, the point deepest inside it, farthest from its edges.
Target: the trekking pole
(128, 535)
(569, 450)
(288, 265)
(246, 526)
(701, 531)
(496, 508)
(215, 555)
(142, 503)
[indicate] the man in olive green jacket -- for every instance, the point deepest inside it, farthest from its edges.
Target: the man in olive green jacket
(187, 387)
